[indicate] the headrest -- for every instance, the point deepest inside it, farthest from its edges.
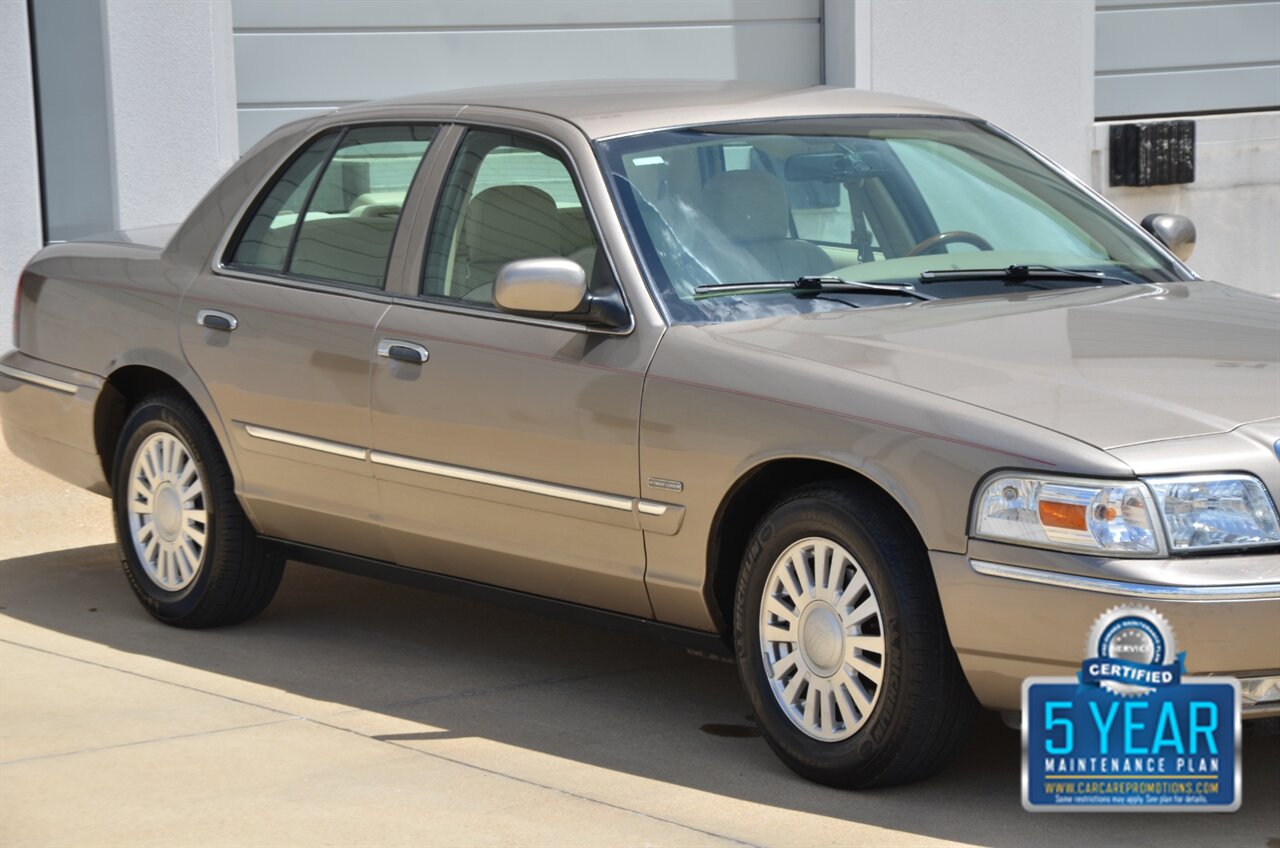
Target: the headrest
(748, 205)
(505, 223)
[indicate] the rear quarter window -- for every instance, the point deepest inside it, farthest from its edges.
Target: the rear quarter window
(332, 212)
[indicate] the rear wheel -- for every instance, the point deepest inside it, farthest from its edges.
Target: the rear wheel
(188, 550)
(841, 644)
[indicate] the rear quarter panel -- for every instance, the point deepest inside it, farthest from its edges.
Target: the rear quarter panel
(97, 306)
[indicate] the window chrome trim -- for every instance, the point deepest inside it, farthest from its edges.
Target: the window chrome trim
(39, 380)
(298, 440)
(304, 284)
(495, 315)
(1146, 591)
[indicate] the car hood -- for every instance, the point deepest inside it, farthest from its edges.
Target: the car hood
(1110, 366)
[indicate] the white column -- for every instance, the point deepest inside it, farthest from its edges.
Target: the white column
(171, 82)
(1025, 66)
(20, 230)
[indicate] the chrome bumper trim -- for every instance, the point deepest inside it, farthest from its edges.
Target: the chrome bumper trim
(1260, 691)
(39, 380)
(1149, 591)
(298, 440)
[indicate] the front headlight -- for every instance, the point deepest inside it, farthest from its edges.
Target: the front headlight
(1221, 511)
(1072, 514)
(1142, 517)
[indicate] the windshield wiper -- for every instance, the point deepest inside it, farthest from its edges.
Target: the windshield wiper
(812, 287)
(1015, 274)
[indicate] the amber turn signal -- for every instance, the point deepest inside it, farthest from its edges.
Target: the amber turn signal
(1064, 515)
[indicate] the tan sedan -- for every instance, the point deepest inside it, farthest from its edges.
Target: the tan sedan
(855, 387)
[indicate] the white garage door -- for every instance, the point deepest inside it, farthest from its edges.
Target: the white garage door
(299, 58)
(1171, 57)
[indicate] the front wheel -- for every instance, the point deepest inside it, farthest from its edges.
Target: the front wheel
(841, 644)
(188, 550)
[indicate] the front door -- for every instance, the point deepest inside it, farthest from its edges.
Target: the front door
(506, 447)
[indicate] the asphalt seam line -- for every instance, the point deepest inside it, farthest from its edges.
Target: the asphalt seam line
(138, 742)
(527, 781)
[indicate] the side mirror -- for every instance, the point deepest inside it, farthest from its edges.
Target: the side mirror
(1175, 232)
(548, 286)
(555, 287)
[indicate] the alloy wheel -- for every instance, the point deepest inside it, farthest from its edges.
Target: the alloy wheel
(821, 635)
(168, 519)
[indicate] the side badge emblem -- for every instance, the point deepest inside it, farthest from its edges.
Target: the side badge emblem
(669, 485)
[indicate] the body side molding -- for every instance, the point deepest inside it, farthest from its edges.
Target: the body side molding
(652, 516)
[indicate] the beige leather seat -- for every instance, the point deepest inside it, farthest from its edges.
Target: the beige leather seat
(349, 250)
(751, 208)
(503, 224)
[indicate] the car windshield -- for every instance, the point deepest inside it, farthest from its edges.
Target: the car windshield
(880, 200)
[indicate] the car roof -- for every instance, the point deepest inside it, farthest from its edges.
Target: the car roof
(610, 108)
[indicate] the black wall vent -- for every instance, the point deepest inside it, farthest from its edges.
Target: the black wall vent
(1152, 154)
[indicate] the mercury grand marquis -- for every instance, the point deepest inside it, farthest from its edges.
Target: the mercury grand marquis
(858, 389)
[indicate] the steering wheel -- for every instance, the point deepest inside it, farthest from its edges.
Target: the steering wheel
(949, 237)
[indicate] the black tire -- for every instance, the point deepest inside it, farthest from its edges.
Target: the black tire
(238, 572)
(924, 708)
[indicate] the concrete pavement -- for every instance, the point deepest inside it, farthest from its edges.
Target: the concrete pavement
(359, 713)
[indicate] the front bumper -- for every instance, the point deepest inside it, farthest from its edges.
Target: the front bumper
(1013, 613)
(48, 414)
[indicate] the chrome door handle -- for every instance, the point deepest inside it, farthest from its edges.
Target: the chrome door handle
(215, 320)
(402, 351)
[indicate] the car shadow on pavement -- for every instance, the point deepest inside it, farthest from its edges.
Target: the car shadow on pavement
(604, 699)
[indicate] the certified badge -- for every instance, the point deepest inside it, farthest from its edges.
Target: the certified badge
(1128, 650)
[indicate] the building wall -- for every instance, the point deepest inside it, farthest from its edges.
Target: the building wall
(989, 57)
(167, 120)
(173, 117)
(296, 59)
(1206, 57)
(1234, 202)
(20, 228)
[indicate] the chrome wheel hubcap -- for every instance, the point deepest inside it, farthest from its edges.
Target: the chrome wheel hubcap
(168, 523)
(822, 639)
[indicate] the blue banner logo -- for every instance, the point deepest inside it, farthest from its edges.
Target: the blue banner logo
(1131, 731)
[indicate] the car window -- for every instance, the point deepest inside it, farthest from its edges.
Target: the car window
(337, 226)
(507, 197)
(264, 240)
(867, 199)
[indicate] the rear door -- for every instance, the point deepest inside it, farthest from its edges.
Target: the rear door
(508, 453)
(281, 331)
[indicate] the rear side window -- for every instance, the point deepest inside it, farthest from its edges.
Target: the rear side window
(332, 213)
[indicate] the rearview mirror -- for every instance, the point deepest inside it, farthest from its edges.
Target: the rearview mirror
(549, 285)
(1175, 232)
(833, 167)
